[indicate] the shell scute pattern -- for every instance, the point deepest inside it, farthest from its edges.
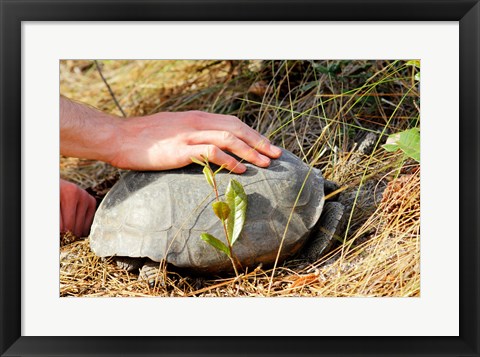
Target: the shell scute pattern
(161, 215)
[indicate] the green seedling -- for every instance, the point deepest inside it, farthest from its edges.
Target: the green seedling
(231, 212)
(408, 141)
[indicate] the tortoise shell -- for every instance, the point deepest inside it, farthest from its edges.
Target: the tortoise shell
(160, 215)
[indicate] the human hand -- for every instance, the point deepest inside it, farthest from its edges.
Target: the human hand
(77, 209)
(168, 140)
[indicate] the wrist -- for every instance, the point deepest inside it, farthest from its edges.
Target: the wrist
(86, 132)
(123, 141)
(108, 138)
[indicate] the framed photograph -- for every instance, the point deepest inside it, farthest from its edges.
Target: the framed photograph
(351, 68)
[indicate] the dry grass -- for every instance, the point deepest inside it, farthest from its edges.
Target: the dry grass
(320, 110)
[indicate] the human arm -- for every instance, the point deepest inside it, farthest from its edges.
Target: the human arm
(160, 141)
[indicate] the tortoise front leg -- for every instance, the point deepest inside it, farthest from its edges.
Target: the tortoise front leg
(324, 232)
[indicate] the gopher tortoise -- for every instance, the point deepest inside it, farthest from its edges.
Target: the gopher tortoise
(160, 216)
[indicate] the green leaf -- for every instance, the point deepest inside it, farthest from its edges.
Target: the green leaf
(214, 242)
(391, 147)
(308, 86)
(331, 69)
(221, 210)
(197, 161)
(321, 69)
(237, 201)
(408, 141)
(414, 63)
(219, 169)
(207, 171)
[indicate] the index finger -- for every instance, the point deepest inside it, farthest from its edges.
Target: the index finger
(209, 121)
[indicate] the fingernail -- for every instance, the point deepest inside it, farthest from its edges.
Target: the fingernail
(276, 150)
(264, 159)
(241, 167)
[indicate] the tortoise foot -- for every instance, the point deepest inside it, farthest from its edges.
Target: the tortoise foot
(128, 263)
(152, 273)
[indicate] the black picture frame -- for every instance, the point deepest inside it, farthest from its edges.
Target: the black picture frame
(13, 12)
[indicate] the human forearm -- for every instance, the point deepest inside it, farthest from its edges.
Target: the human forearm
(87, 132)
(160, 141)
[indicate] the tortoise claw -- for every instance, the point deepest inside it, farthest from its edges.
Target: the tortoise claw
(152, 273)
(129, 264)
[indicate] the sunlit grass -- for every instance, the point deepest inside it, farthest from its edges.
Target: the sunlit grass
(319, 114)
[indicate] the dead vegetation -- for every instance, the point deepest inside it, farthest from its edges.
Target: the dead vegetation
(335, 114)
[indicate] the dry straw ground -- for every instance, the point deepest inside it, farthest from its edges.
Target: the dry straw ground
(340, 111)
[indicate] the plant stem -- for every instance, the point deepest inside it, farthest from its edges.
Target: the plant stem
(233, 264)
(230, 248)
(215, 189)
